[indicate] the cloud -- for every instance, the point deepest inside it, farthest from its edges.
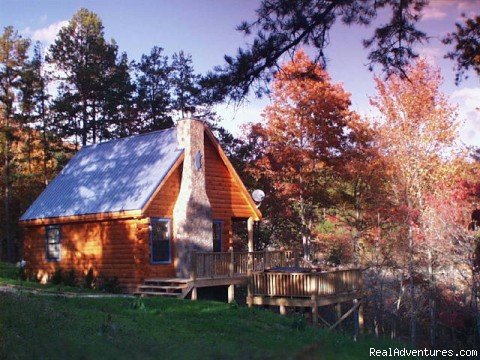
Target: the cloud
(430, 53)
(466, 5)
(433, 12)
(468, 100)
(45, 35)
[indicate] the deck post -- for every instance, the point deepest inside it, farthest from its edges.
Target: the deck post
(231, 293)
(231, 265)
(361, 323)
(193, 264)
(338, 311)
(250, 234)
(355, 320)
(194, 294)
(314, 288)
(283, 310)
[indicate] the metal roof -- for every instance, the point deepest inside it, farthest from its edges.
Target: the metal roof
(112, 176)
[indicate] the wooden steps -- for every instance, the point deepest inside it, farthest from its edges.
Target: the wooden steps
(172, 287)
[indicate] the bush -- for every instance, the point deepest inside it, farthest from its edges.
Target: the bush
(111, 285)
(57, 277)
(89, 279)
(8, 270)
(138, 304)
(61, 278)
(299, 322)
(69, 279)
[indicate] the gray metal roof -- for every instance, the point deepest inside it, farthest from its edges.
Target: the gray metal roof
(113, 176)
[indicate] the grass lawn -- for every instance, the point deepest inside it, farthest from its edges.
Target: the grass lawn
(46, 327)
(35, 326)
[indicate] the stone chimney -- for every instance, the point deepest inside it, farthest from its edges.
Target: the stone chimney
(192, 214)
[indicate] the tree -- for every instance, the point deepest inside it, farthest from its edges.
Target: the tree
(285, 25)
(416, 134)
(83, 60)
(185, 87)
(120, 117)
(466, 54)
(153, 97)
(303, 140)
(13, 57)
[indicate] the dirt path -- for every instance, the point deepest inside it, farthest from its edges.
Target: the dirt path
(7, 288)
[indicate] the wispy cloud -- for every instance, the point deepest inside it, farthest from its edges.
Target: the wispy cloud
(45, 35)
(433, 12)
(431, 53)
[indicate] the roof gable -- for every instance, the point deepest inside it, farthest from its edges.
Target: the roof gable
(115, 176)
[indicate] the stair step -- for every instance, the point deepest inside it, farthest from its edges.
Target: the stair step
(169, 280)
(163, 283)
(148, 293)
(159, 290)
(163, 287)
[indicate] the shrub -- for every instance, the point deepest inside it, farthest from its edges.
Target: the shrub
(138, 304)
(61, 278)
(57, 277)
(299, 322)
(69, 278)
(111, 285)
(8, 270)
(89, 279)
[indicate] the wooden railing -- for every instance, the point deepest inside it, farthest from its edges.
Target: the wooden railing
(306, 284)
(227, 264)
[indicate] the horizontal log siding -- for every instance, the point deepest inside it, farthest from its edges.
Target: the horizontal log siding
(226, 198)
(160, 207)
(110, 248)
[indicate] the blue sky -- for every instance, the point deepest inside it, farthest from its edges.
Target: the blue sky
(206, 29)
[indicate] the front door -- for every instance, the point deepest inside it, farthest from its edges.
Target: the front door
(217, 235)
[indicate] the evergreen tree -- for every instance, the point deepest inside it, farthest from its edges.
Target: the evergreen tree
(153, 99)
(84, 60)
(13, 58)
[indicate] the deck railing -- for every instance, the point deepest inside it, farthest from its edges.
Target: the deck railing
(306, 284)
(228, 264)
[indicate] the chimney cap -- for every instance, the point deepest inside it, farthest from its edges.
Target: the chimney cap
(189, 112)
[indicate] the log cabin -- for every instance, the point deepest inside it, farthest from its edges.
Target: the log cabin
(138, 207)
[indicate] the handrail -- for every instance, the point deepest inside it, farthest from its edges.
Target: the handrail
(228, 264)
(326, 283)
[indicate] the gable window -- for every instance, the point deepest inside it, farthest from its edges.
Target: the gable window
(160, 241)
(53, 247)
(217, 235)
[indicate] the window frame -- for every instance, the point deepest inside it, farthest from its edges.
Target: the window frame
(47, 228)
(169, 227)
(220, 223)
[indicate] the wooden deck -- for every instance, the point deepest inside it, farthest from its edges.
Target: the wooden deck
(271, 279)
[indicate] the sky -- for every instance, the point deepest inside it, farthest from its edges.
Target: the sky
(206, 30)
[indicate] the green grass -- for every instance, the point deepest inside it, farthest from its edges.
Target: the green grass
(46, 327)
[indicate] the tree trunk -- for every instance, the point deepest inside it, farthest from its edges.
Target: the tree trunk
(413, 311)
(431, 300)
(7, 194)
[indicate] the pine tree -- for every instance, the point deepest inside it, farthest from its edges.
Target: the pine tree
(13, 58)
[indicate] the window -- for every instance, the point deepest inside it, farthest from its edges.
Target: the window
(160, 240)
(217, 235)
(53, 248)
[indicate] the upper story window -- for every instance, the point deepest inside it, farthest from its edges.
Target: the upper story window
(53, 246)
(160, 241)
